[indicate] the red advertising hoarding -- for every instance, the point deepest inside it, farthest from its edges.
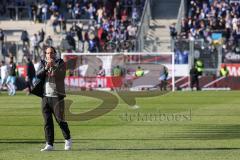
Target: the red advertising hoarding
(94, 82)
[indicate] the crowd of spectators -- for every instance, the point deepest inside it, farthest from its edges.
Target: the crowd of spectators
(38, 11)
(111, 24)
(207, 17)
(100, 38)
(27, 46)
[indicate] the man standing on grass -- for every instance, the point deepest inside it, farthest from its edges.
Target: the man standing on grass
(11, 80)
(31, 73)
(52, 73)
(194, 74)
(4, 74)
(163, 79)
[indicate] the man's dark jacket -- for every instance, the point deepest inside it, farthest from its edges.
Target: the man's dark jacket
(59, 72)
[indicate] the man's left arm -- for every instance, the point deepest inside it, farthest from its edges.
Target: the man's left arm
(60, 70)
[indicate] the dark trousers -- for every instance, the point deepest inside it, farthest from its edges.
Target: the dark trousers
(54, 106)
(195, 80)
(30, 84)
(163, 85)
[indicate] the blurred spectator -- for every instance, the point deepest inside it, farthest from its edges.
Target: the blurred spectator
(30, 74)
(4, 51)
(3, 8)
(4, 74)
(2, 36)
(12, 12)
(117, 71)
(76, 30)
(173, 31)
(53, 8)
(194, 78)
(99, 14)
(117, 11)
(62, 23)
(54, 22)
(76, 13)
(41, 35)
(1, 42)
(224, 72)
(128, 80)
(26, 51)
(71, 41)
(132, 31)
(91, 10)
(12, 49)
(135, 16)
(163, 79)
(39, 13)
(44, 12)
(33, 12)
(139, 72)
(181, 57)
(35, 45)
(85, 47)
(69, 7)
(93, 43)
(11, 80)
(101, 71)
(25, 38)
(124, 16)
(65, 45)
(49, 41)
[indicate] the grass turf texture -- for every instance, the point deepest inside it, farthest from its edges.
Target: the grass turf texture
(210, 129)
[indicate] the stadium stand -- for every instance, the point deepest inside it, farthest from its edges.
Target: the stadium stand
(164, 14)
(202, 29)
(83, 26)
(205, 18)
(214, 22)
(208, 30)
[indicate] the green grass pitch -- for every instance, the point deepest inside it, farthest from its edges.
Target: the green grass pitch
(179, 125)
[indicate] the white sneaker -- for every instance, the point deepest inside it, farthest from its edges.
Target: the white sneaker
(68, 144)
(47, 148)
(134, 107)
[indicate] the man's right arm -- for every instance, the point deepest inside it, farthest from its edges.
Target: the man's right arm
(41, 71)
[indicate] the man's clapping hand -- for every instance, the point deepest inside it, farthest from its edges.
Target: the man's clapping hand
(50, 63)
